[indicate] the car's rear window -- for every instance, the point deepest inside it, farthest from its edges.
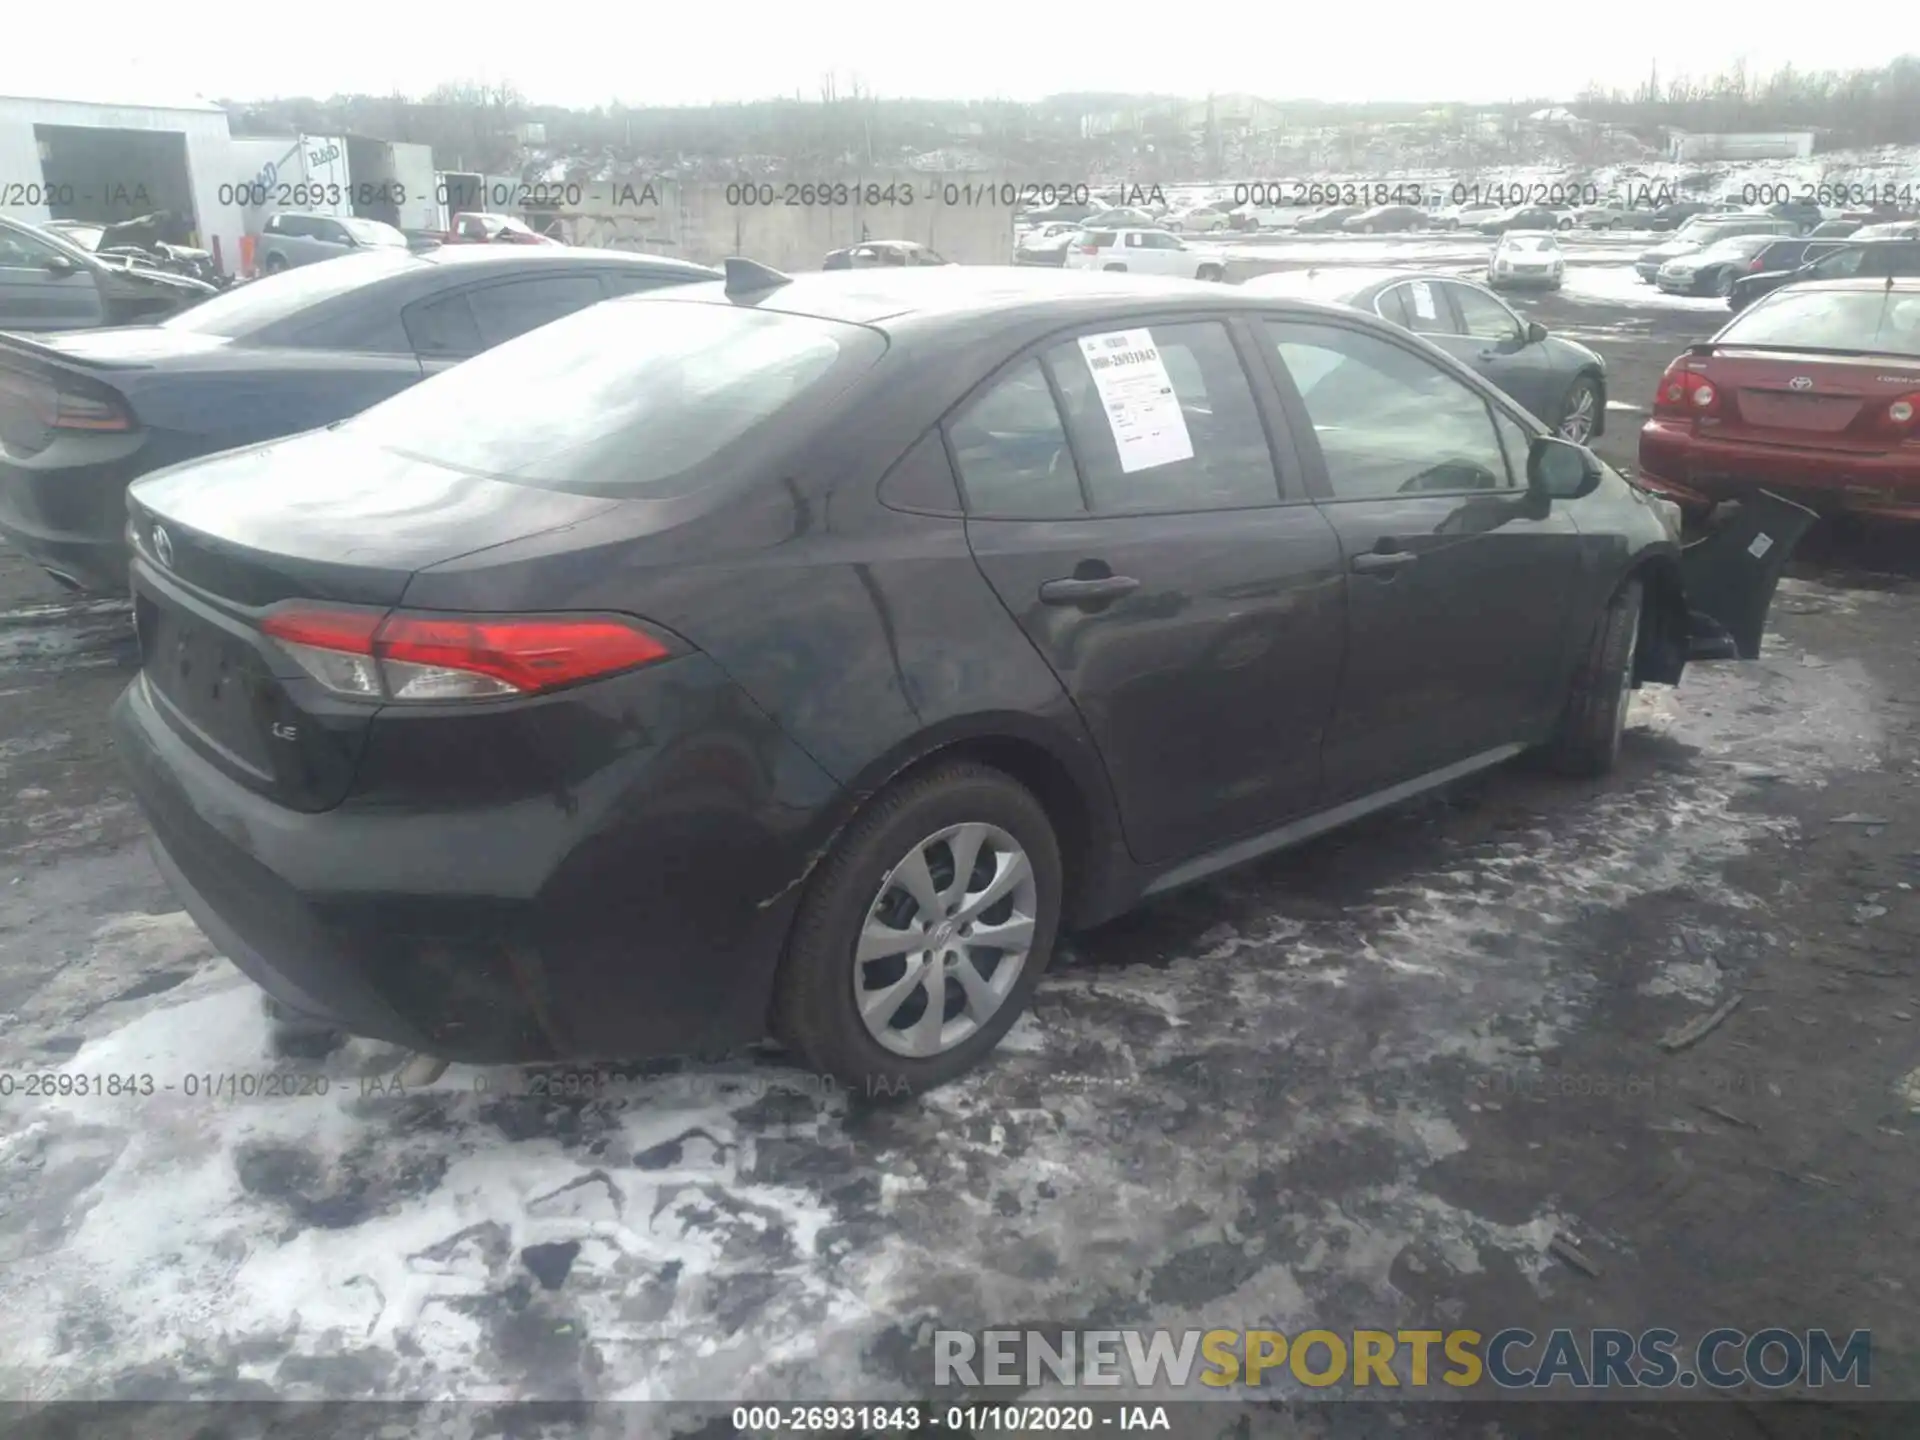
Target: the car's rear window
(1879, 321)
(247, 309)
(629, 398)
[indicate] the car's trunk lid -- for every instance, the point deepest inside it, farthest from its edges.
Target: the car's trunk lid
(218, 543)
(1788, 398)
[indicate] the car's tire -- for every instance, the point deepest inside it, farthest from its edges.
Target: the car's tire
(1586, 742)
(1210, 272)
(1723, 284)
(275, 264)
(1121, 268)
(1582, 399)
(932, 816)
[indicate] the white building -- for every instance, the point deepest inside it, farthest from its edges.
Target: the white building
(80, 159)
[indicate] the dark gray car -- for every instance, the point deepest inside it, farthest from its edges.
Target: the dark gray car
(1559, 380)
(49, 283)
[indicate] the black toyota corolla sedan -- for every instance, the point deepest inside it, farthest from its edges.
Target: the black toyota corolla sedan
(799, 656)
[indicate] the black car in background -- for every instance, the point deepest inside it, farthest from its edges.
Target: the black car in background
(1673, 216)
(83, 413)
(803, 654)
(1839, 261)
(1523, 217)
(50, 282)
(1804, 213)
(1712, 269)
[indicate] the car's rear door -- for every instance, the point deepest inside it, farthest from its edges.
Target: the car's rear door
(1125, 504)
(1458, 579)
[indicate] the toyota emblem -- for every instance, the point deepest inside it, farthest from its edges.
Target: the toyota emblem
(1800, 382)
(163, 546)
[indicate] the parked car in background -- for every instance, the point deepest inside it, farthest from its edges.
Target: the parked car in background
(1386, 219)
(49, 283)
(1520, 217)
(869, 253)
(1061, 210)
(478, 227)
(1046, 245)
(1679, 212)
(82, 414)
(1559, 380)
(1125, 215)
(1834, 229)
(1812, 392)
(1705, 230)
(1838, 260)
(141, 242)
(1323, 221)
(1713, 269)
(1804, 214)
(1527, 257)
(288, 239)
(484, 780)
(1609, 215)
(1143, 252)
(1196, 219)
(1889, 230)
(1462, 217)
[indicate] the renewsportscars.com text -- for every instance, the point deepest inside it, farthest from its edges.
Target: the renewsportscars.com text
(1511, 1359)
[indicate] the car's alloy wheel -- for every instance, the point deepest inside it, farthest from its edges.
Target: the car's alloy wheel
(1581, 410)
(945, 940)
(921, 936)
(1723, 283)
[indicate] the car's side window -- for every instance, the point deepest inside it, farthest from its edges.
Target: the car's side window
(1389, 422)
(25, 252)
(1135, 240)
(1841, 262)
(1163, 420)
(1485, 318)
(442, 327)
(1012, 451)
(1392, 304)
(1428, 312)
(505, 311)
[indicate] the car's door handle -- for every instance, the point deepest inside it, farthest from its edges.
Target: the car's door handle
(1390, 560)
(1081, 592)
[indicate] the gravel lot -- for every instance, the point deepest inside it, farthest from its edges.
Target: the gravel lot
(1362, 1084)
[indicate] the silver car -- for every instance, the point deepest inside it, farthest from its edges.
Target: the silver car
(289, 239)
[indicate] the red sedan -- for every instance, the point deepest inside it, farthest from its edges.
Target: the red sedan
(1812, 392)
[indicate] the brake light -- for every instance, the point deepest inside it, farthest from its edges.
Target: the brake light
(60, 408)
(1684, 391)
(1753, 265)
(454, 657)
(1088, 248)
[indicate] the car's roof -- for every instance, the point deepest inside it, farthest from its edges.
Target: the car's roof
(479, 257)
(958, 294)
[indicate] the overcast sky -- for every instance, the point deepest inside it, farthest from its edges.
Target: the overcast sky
(747, 49)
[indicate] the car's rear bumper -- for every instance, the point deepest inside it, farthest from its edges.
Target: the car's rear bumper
(1700, 472)
(638, 910)
(71, 520)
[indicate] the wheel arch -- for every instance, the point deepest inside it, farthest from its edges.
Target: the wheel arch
(1590, 371)
(1665, 629)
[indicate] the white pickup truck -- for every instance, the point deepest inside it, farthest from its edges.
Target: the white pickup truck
(1145, 252)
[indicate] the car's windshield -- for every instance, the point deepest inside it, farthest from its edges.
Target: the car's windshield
(629, 397)
(249, 308)
(1531, 242)
(1877, 321)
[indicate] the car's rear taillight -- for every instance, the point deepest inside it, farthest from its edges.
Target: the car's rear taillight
(1683, 391)
(1901, 412)
(1753, 265)
(1088, 249)
(61, 406)
(455, 657)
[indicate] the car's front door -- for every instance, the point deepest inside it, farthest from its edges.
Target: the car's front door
(1123, 502)
(1458, 578)
(1493, 340)
(42, 288)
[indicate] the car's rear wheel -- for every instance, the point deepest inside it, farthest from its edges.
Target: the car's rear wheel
(1113, 267)
(1211, 272)
(1580, 411)
(923, 934)
(1587, 740)
(275, 264)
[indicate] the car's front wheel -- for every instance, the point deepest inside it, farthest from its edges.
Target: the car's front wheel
(1586, 742)
(1723, 284)
(923, 934)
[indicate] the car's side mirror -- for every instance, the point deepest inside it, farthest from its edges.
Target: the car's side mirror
(1536, 332)
(1560, 470)
(59, 265)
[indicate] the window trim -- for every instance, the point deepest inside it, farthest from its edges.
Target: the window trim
(1454, 286)
(1275, 422)
(1313, 459)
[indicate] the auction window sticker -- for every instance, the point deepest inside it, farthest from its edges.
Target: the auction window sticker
(1142, 409)
(1423, 305)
